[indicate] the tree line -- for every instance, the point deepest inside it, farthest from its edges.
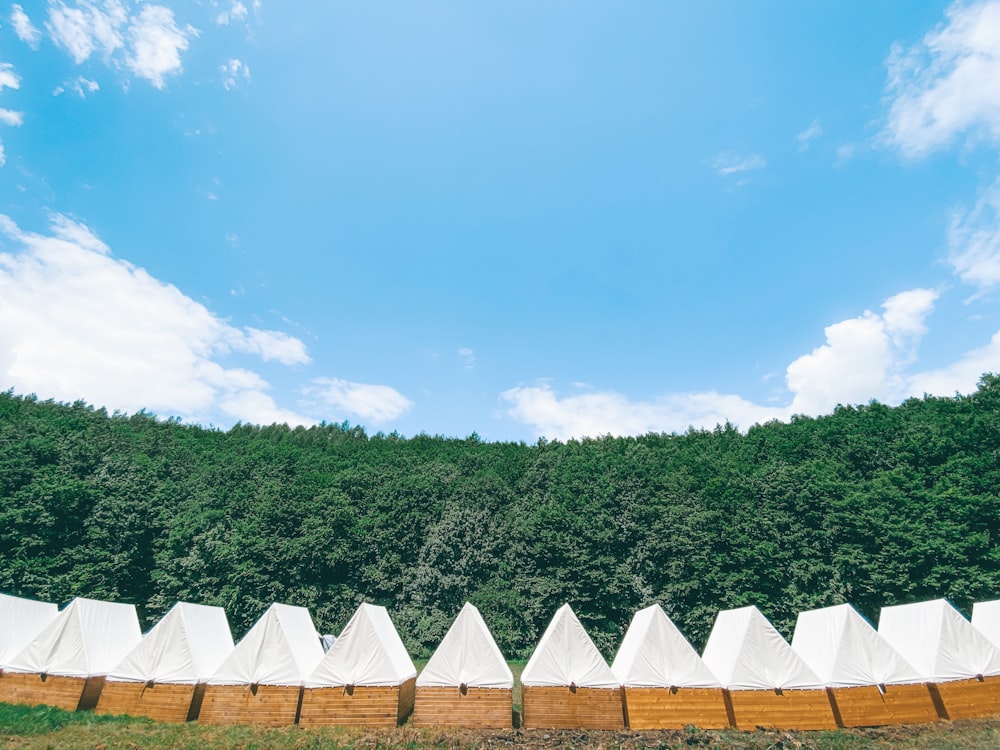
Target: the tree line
(873, 505)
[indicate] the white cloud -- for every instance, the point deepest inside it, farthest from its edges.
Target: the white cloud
(23, 27)
(8, 78)
(814, 131)
(237, 12)
(87, 27)
(378, 403)
(80, 86)
(468, 357)
(3, 155)
(974, 241)
(146, 42)
(156, 44)
(726, 164)
(945, 86)
(602, 413)
(234, 73)
(77, 323)
(864, 358)
(10, 117)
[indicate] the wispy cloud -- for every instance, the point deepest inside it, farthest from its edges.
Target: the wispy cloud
(234, 73)
(974, 241)
(377, 403)
(807, 136)
(25, 30)
(468, 357)
(863, 358)
(236, 12)
(80, 86)
(945, 86)
(726, 164)
(144, 40)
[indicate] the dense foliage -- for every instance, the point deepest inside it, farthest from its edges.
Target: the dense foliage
(872, 505)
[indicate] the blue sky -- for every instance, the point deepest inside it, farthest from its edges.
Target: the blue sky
(519, 219)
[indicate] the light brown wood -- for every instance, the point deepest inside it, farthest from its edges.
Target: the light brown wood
(475, 707)
(160, 701)
(867, 706)
(342, 705)
(676, 708)
(969, 699)
(785, 709)
(567, 708)
(69, 693)
(261, 705)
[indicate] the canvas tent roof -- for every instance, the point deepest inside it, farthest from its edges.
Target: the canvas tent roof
(986, 619)
(468, 655)
(746, 653)
(654, 653)
(937, 639)
(186, 646)
(20, 621)
(844, 649)
(368, 652)
(282, 648)
(86, 639)
(566, 656)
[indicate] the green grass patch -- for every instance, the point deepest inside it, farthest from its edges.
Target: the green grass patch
(32, 720)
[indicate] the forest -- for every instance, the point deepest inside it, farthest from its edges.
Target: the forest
(872, 505)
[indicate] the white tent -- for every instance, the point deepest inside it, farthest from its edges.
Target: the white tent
(746, 653)
(654, 653)
(986, 619)
(842, 648)
(468, 655)
(566, 656)
(186, 646)
(938, 641)
(21, 620)
(368, 652)
(87, 639)
(282, 648)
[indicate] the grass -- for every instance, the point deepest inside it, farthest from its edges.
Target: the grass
(41, 728)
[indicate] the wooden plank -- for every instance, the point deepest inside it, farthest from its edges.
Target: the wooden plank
(676, 708)
(160, 701)
(261, 705)
(969, 699)
(49, 690)
(572, 708)
(343, 705)
(868, 706)
(475, 707)
(784, 709)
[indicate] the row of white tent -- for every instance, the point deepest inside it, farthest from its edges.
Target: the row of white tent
(832, 647)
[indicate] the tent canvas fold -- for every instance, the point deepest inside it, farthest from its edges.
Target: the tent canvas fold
(746, 653)
(467, 655)
(186, 646)
(565, 655)
(282, 648)
(369, 652)
(21, 620)
(654, 653)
